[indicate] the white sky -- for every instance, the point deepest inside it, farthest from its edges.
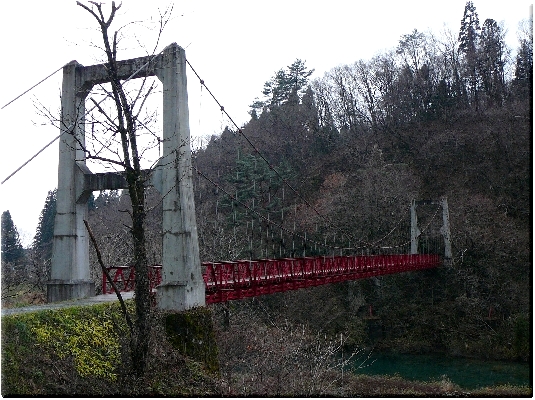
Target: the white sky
(234, 45)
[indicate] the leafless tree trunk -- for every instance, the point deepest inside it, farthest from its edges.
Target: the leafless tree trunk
(124, 124)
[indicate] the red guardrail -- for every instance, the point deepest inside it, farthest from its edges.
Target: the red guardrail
(233, 280)
(125, 279)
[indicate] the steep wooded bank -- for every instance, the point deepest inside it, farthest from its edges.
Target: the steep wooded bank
(79, 351)
(435, 118)
(481, 161)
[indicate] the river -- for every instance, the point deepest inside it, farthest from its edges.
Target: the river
(467, 373)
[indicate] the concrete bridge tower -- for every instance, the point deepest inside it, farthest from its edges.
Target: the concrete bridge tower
(182, 285)
(444, 230)
(70, 274)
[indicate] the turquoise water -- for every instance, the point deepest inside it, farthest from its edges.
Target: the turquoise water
(467, 373)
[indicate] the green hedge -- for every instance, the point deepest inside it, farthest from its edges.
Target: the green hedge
(37, 348)
(84, 351)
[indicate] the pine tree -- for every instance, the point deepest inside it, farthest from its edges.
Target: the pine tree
(42, 241)
(285, 84)
(297, 77)
(12, 250)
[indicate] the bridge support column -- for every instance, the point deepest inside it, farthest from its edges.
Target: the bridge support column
(445, 230)
(70, 273)
(415, 232)
(182, 284)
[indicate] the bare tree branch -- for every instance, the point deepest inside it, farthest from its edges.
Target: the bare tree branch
(113, 285)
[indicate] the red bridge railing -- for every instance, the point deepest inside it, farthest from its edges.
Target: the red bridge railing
(124, 278)
(233, 280)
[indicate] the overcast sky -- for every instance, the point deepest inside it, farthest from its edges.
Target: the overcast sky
(234, 45)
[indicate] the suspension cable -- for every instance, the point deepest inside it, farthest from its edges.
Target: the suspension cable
(266, 219)
(34, 86)
(35, 155)
(257, 151)
(421, 232)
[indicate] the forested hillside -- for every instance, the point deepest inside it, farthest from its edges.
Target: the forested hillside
(336, 161)
(436, 116)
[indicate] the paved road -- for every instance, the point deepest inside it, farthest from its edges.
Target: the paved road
(103, 298)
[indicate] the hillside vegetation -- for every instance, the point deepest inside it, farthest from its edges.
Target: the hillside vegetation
(432, 119)
(79, 352)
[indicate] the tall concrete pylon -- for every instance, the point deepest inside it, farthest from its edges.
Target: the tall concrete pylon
(182, 285)
(70, 274)
(444, 230)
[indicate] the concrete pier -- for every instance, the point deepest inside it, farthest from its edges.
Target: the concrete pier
(70, 274)
(182, 284)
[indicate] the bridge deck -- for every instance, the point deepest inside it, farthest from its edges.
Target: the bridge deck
(233, 280)
(101, 298)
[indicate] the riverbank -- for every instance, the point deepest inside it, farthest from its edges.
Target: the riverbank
(78, 351)
(467, 373)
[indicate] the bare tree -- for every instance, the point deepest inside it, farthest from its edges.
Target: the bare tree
(121, 123)
(265, 355)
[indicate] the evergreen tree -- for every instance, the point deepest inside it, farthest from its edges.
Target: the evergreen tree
(286, 83)
(91, 206)
(297, 77)
(469, 33)
(491, 61)
(42, 241)
(256, 185)
(468, 44)
(256, 190)
(12, 250)
(106, 197)
(523, 79)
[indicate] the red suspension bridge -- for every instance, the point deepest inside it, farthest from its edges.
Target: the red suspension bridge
(241, 198)
(234, 280)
